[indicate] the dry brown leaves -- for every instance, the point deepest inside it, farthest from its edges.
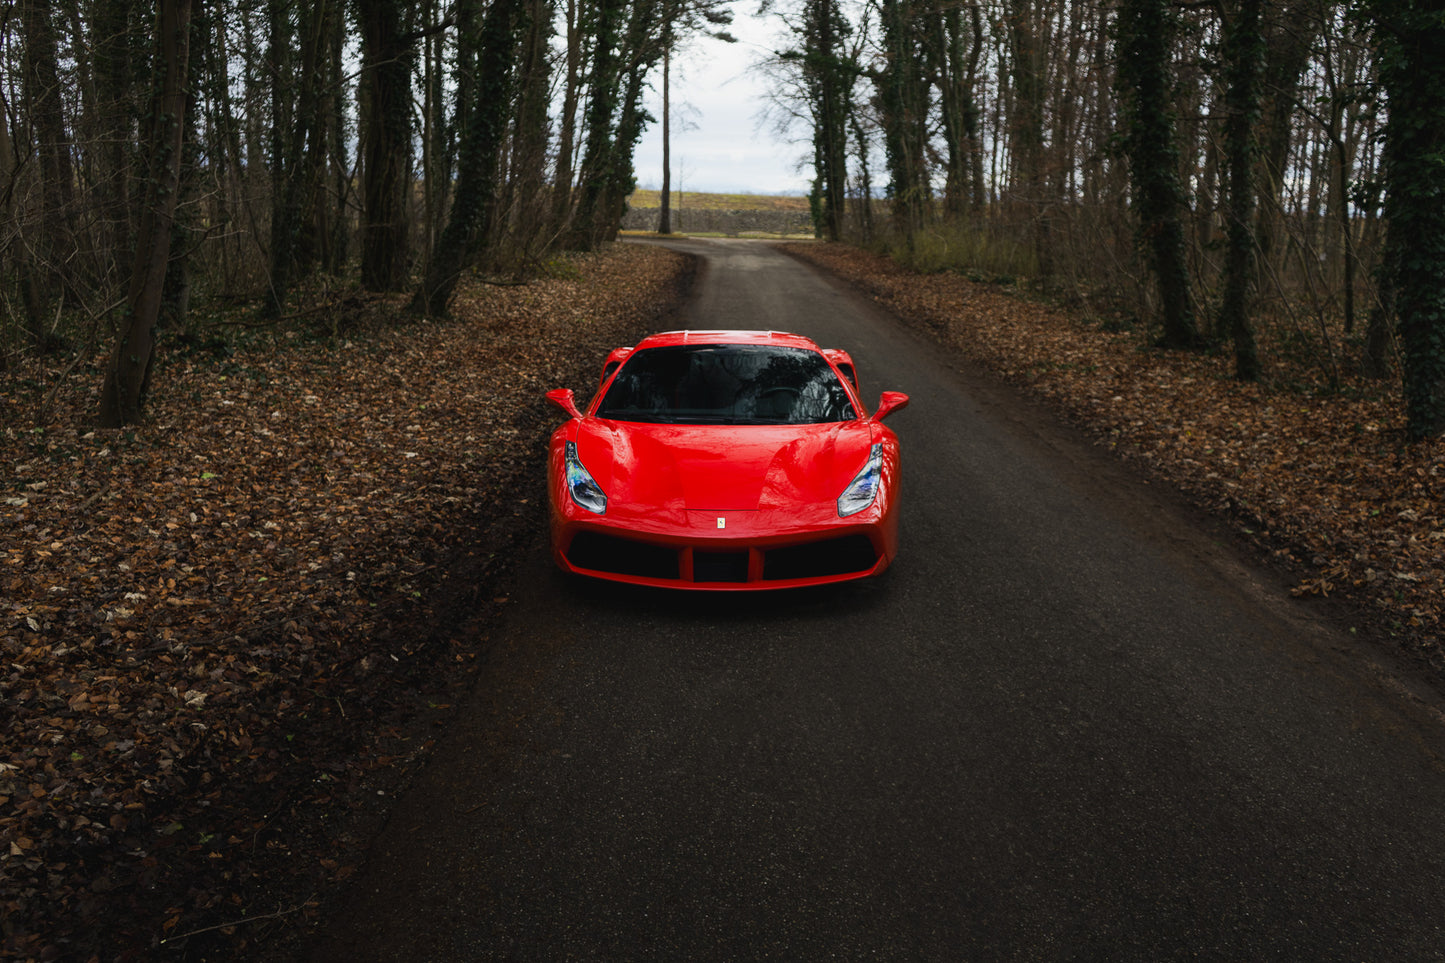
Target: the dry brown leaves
(197, 617)
(1321, 477)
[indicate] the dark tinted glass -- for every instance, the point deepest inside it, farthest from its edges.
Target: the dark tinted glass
(727, 384)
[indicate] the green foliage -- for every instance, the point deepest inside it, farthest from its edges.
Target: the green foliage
(563, 268)
(963, 248)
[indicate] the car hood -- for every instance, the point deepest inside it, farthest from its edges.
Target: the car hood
(723, 467)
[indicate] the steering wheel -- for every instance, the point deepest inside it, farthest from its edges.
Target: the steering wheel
(780, 400)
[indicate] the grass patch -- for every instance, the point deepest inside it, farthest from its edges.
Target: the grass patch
(688, 200)
(966, 249)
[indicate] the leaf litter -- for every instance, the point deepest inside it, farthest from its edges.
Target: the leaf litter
(216, 626)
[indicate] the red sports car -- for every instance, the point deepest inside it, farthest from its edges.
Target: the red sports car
(725, 460)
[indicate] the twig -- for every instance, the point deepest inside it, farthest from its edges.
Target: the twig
(249, 919)
(92, 499)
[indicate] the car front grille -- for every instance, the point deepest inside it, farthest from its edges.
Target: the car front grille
(615, 555)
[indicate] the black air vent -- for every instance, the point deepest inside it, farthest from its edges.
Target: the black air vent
(832, 556)
(622, 556)
(719, 566)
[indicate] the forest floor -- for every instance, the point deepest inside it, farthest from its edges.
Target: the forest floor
(229, 634)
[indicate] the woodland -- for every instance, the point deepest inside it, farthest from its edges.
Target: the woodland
(281, 284)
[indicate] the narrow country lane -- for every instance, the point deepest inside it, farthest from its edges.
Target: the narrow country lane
(1067, 725)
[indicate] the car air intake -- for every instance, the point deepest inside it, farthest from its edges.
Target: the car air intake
(719, 566)
(622, 556)
(832, 556)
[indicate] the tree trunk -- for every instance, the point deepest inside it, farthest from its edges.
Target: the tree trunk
(865, 177)
(903, 97)
(283, 137)
(480, 161)
(601, 111)
(620, 182)
(1410, 35)
(54, 240)
(115, 111)
(1290, 42)
(7, 198)
(128, 372)
(318, 75)
(341, 171)
(1243, 53)
(1379, 333)
(385, 143)
(954, 75)
(566, 138)
(835, 90)
(1145, 42)
(827, 76)
(664, 217)
(176, 289)
(435, 173)
(1026, 127)
(529, 153)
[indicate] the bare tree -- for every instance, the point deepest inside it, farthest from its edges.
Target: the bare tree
(128, 371)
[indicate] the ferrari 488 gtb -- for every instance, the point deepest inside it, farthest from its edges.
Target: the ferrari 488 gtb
(725, 460)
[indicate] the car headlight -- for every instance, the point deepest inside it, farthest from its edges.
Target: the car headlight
(864, 488)
(584, 489)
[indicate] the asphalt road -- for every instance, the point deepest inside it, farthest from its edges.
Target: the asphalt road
(1069, 724)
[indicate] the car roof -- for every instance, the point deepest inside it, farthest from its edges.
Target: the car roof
(772, 338)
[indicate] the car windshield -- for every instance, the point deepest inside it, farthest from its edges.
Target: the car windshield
(727, 384)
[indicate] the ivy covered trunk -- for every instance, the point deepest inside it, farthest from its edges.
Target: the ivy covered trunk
(128, 371)
(1145, 40)
(903, 98)
(479, 165)
(954, 65)
(601, 113)
(831, 83)
(1410, 35)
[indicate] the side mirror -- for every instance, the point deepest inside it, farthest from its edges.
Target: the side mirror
(890, 402)
(564, 399)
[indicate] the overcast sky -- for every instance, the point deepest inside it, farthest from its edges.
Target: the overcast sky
(716, 91)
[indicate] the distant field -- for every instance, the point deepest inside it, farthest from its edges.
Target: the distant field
(646, 200)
